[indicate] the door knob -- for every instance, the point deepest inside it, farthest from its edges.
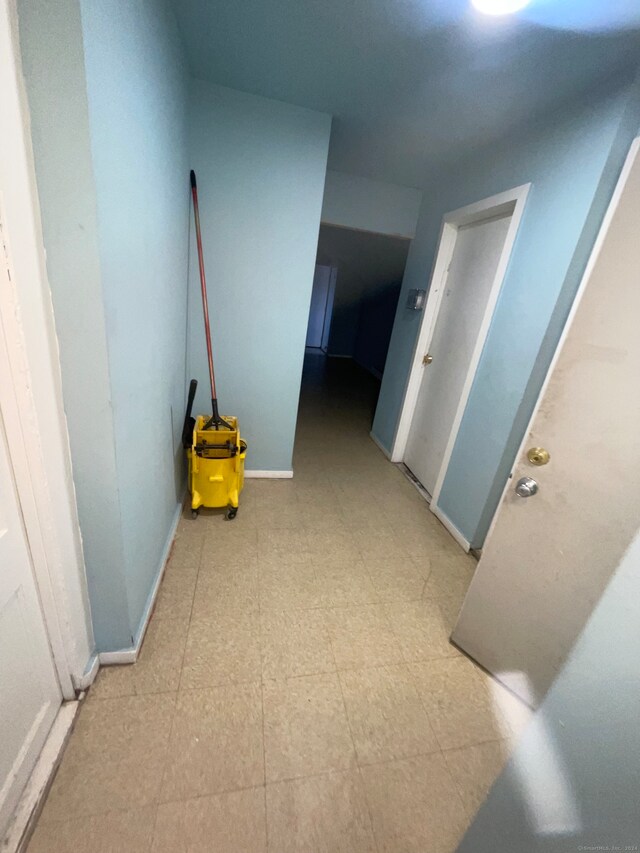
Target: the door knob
(526, 487)
(427, 359)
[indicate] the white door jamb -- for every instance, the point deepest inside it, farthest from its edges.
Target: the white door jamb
(511, 200)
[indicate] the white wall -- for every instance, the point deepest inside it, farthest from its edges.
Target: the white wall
(572, 783)
(260, 166)
(366, 205)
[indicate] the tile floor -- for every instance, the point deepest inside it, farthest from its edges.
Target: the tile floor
(296, 691)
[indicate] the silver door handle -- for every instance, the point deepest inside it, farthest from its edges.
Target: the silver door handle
(526, 487)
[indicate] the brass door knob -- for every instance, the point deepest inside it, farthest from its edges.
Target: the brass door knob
(538, 455)
(427, 359)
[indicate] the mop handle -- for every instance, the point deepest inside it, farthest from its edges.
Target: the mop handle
(203, 286)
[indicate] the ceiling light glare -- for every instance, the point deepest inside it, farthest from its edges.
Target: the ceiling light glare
(499, 7)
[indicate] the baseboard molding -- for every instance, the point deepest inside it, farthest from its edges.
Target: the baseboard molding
(130, 655)
(89, 675)
(338, 355)
(34, 795)
(268, 475)
(453, 530)
(380, 445)
(120, 657)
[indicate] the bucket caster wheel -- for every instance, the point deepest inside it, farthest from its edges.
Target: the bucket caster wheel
(232, 512)
(195, 513)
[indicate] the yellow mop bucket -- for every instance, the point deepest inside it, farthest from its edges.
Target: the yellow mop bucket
(215, 451)
(216, 465)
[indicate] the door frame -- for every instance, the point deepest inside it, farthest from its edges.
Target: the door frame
(510, 200)
(31, 394)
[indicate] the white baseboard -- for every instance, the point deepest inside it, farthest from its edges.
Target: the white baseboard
(120, 657)
(453, 530)
(89, 675)
(34, 794)
(268, 475)
(130, 655)
(377, 442)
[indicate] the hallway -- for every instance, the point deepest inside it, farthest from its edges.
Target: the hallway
(296, 690)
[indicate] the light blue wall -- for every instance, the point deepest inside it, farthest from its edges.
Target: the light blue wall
(572, 781)
(572, 160)
(53, 66)
(107, 91)
(137, 84)
(260, 167)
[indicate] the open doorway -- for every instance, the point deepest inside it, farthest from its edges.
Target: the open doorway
(355, 294)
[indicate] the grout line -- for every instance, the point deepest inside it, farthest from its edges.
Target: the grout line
(355, 750)
(264, 759)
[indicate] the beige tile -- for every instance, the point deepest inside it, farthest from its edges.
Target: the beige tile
(380, 544)
(342, 585)
(332, 547)
(225, 544)
(321, 814)
(113, 682)
(474, 770)
(386, 717)
(216, 742)
(458, 702)
(362, 636)
(316, 516)
(224, 594)
(175, 599)
(114, 832)
(97, 784)
(421, 630)
(222, 650)
(290, 586)
(225, 823)
(157, 669)
(219, 569)
(397, 580)
(414, 805)
(186, 550)
(112, 728)
(114, 758)
(295, 643)
(450, 609)
(175, 595)
(282, 546)
(280, 515)
(450, 575)
(305, 727)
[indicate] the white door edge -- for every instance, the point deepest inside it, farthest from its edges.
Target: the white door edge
(33, 392)
(478, 211)
(593, 258)
(34, 794)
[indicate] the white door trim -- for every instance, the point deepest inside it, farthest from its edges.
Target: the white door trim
(510, 200)
(31, 393)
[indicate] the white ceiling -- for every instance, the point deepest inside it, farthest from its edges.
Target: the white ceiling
(412, 84)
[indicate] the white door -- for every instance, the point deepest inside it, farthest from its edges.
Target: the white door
(550, 555)
(476, 255)
(30, 695)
